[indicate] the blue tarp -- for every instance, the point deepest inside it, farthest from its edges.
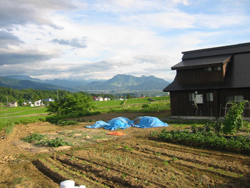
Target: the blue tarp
(98, 124)
(123, 123)
(148, 122)
(119, 123)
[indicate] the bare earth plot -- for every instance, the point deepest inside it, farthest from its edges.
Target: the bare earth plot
(101, 160)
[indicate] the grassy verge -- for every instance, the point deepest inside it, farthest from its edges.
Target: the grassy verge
(5, 122)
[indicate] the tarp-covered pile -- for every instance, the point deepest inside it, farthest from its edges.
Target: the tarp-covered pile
(148, 122)
(123, 123)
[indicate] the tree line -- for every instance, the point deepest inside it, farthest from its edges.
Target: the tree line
(11, 95)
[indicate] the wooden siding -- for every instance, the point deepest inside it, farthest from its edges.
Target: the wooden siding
(199, 75)
(181, 106)
(222, 95)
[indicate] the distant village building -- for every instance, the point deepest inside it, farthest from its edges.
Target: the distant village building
(48, 100)
(95, 98)
(12, 104)
(38, 103)
(100, 98)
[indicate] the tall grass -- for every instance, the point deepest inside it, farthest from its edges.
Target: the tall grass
(4, 122)
(9, 127)
(155, 107)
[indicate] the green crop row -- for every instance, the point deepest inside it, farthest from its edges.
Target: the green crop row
(207, 140)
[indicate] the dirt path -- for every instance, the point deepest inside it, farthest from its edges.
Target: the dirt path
(133, 160)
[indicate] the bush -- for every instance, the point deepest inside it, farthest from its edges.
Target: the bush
(33, 137)
(66, 122)
(72, 104)
(233, 119)
(206, 139)
(145, 106)
(54, 143)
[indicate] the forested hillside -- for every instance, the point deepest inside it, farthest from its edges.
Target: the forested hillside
(34, 94)
(28, 94)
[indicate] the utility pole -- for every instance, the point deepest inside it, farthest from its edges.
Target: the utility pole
(7, 100)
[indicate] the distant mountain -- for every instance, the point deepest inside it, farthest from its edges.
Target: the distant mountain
(129, 83)
(23, 77)
(26, 84)
(65, 83)
(118, 83)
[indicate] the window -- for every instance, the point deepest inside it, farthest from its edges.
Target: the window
(235, 98)
(210, 96)
(191, 97)
(217, 68)
(207, 69)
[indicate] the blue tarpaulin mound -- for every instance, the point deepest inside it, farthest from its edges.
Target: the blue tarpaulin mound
(98, 124)
(123, 123)
(119, 123)
(148, 122)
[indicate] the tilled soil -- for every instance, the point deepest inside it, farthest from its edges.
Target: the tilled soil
(133, 160)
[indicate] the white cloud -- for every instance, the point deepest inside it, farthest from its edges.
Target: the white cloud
(102, 38)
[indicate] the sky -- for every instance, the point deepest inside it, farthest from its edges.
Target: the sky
(98, 39)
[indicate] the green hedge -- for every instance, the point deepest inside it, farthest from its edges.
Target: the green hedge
(207, 140)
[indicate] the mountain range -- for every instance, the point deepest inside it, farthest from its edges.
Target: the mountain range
(119, 83)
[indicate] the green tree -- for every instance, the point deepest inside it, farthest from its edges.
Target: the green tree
(71, 104)
(233, 119)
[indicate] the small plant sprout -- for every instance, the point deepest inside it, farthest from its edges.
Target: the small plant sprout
(107, 168)
(158, 154)
(165, 162)
(124, 175)
(174, 159)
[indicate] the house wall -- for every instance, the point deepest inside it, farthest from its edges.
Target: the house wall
(181, 106)
(199, 75)
(222, 95)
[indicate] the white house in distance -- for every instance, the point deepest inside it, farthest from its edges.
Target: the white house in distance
(38, 103)
(100, 98)
(12, 104)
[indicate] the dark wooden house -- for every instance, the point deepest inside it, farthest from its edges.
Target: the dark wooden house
(207, 79)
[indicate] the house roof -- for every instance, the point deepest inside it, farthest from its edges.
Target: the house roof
(237, 75)
(222, 50)
(202, 62)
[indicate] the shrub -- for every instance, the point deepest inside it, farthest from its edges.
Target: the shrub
(145, 106)
(206, 139)
(66, 122)
(54, 143)
(194, 128)
(233, 119)
(33, 137)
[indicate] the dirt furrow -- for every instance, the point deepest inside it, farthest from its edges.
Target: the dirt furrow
(58, 173)
(235, 166)
(208, 153)
(104, 166)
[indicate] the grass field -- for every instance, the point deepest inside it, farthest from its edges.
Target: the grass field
(20, 111)
(24, 115)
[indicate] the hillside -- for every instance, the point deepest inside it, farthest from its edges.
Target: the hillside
(120, 82)
(132, 83)
(26, 84)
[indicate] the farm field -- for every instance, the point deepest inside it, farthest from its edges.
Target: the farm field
(100, 160)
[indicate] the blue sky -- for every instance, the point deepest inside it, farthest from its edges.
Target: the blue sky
(97, 39)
